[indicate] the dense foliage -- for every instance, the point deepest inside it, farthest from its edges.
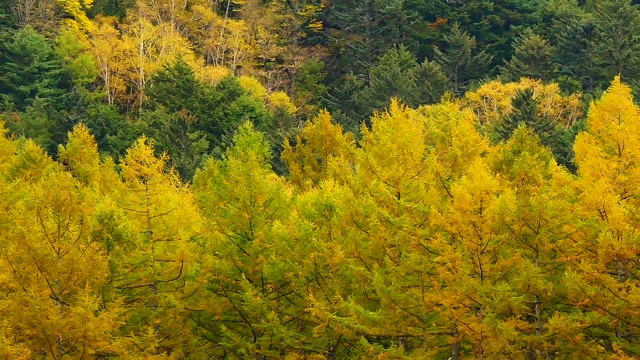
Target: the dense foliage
(422, 240)
(188, 73)
(305, 179)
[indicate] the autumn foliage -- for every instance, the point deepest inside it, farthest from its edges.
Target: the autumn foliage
(423, 240)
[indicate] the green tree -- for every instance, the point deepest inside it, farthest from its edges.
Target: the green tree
(460, 60)
(309, 89)
(398, 75)
(572, 31)
(617, 26)
(532, 58)
(226, 106)
(252, 296)
(31, 72)
(366, 29)
(525, 112)
(175, 133)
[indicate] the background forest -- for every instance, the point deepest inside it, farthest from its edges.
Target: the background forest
(356, 179)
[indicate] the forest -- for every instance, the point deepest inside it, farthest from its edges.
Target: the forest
(319, 179)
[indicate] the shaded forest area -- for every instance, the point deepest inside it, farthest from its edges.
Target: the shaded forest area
(357, 179)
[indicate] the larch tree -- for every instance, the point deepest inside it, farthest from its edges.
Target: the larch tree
(55, 268)
(605, 278)
(155, 272)
(252, 296)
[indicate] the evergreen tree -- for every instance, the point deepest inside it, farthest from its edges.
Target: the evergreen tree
(176, 89)
(574, 40)
(367, 29)
(460, 60)
(30, 71)
(431, 83)
(531, 58)
(392, 77)
(617, 26)
(525, 113)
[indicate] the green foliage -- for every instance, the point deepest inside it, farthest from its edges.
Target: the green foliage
(176, 88)
(573, 32)
(31, 71)
(309, 86)
(80, 64)
(460, 60)
(398, 75)
(532, 58)
(617, 40)
(190, 119)
(551, 134)
(369, 28)
(175, 134)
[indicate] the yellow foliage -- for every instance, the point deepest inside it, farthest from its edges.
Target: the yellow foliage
(77, 9)
(212, 74)
(492, 101)
(253, 87)
(610, 150)
(111, 54)
(7, 147)
(280, 101)
(321, 145)
(141, 164)
(81, 153)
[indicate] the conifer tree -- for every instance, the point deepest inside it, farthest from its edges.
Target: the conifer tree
(54, 269)
(532, 58)
(461, 60)
(604, 284)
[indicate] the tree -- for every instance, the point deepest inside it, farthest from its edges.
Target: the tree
(493, 101)
(175, 134)
(571, 30)
(398, 75)
(55, 269)
(254, 298)
(110, 52)
(32, 72)
(154, 269)
(604, 281)
(539, 222)
(72, 47)
(525, 112)
(309, 89)
(618, 39)
(366, 29)
(309, 160)
(460, 60)
(225, 106)
(532, 58)
(40, 15)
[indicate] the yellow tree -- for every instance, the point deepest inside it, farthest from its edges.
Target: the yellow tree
(604, 280)
(375, 219)
(320, 152)
(253, 295)
(151, 43)
(110, 53)
(492, 102)
(54, 269)
(155, 269)
(77, 10)
(538, 219)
